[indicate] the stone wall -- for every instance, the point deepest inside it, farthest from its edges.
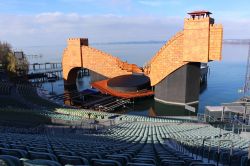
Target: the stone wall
(167, 59)
(196, 39)
(200, 41)
(79, 54)
(215, 45)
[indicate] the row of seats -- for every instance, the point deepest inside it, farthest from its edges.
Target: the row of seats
(85, 113)
(9, 102)
(30, 94)
(78, 115)
(133, 140)
(136, 143)
(193, 135)
(232, 148)
(5, 88)
(133, 118)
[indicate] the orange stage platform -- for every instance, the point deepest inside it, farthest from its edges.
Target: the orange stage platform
(103, 87)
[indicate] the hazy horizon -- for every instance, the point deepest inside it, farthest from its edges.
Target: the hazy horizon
(43, 27)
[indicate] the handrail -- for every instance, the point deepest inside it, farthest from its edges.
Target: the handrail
(205, 116)
(239, 123)
(195, 144)
(209, 148)
(231, 150)
(248, 152)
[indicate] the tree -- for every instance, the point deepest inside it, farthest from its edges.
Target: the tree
(6, 57)
(10, 62)
(22, 65)
(5, 48)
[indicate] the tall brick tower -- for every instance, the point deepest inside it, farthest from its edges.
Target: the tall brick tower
(73, 58)
(201, 36)
(174, 71)
(200, 41)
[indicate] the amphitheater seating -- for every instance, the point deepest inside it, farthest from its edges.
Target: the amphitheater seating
(6, 160)
(11, 103)
(30, 94)
(100, 162)
(5, 88)
(74, 160)
(131, 140)
(133, 118)
(146, 141)
(84, 113)
(39, 162)
(41, 155)
(14, 152)
(90, 156)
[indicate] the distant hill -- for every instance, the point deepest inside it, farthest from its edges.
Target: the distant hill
(130, 42)
(236, 41)
(225, 41)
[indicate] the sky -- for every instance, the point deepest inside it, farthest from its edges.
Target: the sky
(30, 24)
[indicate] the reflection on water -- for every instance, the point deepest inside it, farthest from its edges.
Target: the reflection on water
(144, 106)
(150, 107)
(173, 110)
(83, 83)
(221, 88)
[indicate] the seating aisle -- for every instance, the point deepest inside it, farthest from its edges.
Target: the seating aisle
(148, 142)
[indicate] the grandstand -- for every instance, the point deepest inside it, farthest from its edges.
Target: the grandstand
(5, 88)
(37, 132)
(29, 93)
(129, 140)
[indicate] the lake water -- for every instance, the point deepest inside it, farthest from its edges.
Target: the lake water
(225, 78)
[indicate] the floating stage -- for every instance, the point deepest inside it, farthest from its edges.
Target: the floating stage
(174, 71)
(125, 86)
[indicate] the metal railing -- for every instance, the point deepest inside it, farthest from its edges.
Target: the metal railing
(194, 145)
(205, 118)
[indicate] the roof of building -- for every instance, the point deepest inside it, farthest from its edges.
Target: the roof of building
(199, 12)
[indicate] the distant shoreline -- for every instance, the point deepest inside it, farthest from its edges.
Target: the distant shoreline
(225, 41)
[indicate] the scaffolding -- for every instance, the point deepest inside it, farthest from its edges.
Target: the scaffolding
(111, 106)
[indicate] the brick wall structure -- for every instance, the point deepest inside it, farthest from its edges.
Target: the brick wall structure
(79, 54)
(199, 41)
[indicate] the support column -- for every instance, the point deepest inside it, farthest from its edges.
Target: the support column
(180, 87)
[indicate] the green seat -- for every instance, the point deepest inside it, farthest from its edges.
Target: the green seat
(75, 160)
(40, 162)
(13, 152)
(40, 155)
(6, 160)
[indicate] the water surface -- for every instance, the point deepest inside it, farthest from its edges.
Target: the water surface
(224, 80)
